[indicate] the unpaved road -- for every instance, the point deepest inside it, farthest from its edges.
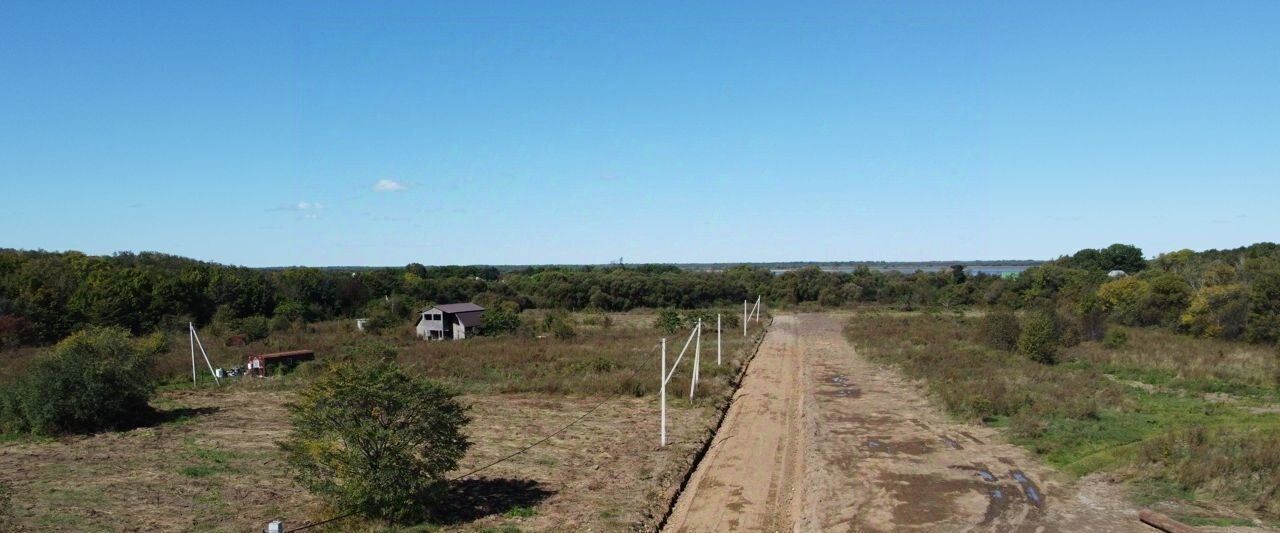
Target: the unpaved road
(819, 439)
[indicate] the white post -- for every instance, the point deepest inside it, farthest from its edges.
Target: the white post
(744, 318)
(697, 359)
(191, 337)
(206, 356)
(717, 339)
(662, 395)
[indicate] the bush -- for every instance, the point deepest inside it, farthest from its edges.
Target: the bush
(1000, 330)
(500, 322)
(372, 440)
(562, 330)
(367, 349)
(381, 318)
(668, 321)
(93, 380)
(1217, 311)
(1039, 338)
(254, 327)
(280, 323)
(1115, 339)
(1242, 464)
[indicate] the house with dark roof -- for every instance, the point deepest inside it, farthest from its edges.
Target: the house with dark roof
(450, 321)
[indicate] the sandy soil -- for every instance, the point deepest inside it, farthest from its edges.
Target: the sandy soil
(747, 479)
(819, 439)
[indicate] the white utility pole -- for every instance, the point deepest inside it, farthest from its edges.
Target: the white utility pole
(744, 318)
(197, 342)
(717, 339)
(662, 393)
(697, 359)
(191, 337)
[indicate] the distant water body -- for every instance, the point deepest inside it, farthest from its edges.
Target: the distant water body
(990, 270)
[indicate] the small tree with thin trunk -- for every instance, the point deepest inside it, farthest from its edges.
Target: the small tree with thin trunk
(375, 441)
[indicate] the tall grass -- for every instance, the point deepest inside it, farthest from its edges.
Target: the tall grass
(1160, 357)
(975, 381)
(1241, 464)
(1083, 415)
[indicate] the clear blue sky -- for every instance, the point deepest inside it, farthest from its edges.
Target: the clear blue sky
(257, 133)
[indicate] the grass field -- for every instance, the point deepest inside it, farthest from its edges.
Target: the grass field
(1192, 423)
(214, 465)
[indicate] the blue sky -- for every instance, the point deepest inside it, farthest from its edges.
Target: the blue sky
(533, 132)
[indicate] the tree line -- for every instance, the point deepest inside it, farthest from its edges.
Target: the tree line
(45, 296)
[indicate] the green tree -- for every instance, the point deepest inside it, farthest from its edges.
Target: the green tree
(500, 322)
(372, 440)
(1217, 311)
(1039, 338)
(1125, 299)
(1264, 308)
(95, 379)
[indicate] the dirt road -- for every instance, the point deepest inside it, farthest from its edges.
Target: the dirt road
(819, 439)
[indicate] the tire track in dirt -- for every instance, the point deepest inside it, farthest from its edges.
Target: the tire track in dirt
(819, 439)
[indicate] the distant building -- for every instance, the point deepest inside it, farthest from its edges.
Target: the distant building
(450, 321)
(1116, 274)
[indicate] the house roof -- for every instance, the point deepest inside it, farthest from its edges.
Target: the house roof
(471, 319)
(465, 307)
(294, 354)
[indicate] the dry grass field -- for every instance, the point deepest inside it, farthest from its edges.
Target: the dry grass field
(214, 465)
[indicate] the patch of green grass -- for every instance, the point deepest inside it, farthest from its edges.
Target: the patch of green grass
(520, 512)
(206, 461)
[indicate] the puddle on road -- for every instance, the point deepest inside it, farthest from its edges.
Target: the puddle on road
(1028, 487)
(838, 385)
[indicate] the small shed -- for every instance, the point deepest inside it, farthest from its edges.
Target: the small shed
(450, 321)
(258, 364)
(1116, 274)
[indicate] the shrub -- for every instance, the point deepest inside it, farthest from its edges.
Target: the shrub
(999, 329)
(1039, 338)
(254, 327)
(367, 349)
(1237, 463)
(668, 321)
(280, 323)
(372, 440)
(93, 380)
(1217, 311)
(500, 322)
(381, 318)
(562, 330)
(1125, 299)
(1115, 339)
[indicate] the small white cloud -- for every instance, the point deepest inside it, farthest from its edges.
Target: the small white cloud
(388, 186)
(305, 206)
